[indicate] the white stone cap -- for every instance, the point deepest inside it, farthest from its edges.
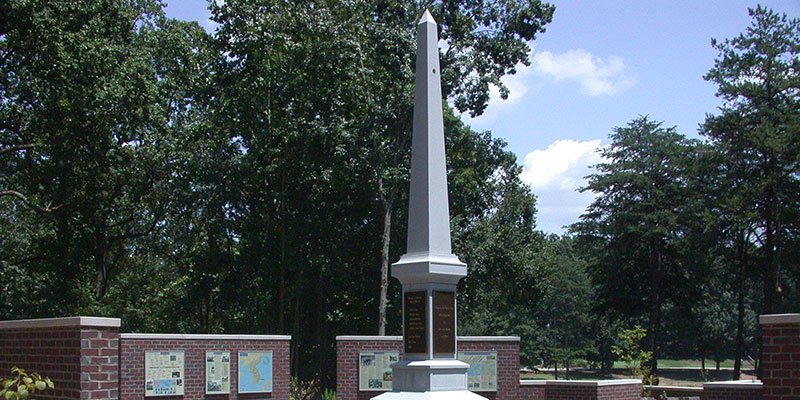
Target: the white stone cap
(608, 382)
(98, 322)
(373, 338)
(754, 384)
(460, 338)
(681, 388)
(488, 338)
(180, 336)
(532, 382)
(772, 319)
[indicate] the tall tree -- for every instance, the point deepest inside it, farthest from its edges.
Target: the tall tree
(82, 93)
(633, 230)
(758, 132)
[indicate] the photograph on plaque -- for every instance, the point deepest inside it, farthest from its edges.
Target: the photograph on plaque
(375, 370)
(482, 372)
(255, 372)
(218, 372)
(163, 373)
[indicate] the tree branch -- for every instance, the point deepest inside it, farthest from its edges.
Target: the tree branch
(41, 210)
(16, 148)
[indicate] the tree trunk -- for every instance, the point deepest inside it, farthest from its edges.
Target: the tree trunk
(386, 239)
(739, 347)
(556, 370)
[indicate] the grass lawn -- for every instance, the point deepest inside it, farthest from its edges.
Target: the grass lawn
(691, 376)
(710, 364)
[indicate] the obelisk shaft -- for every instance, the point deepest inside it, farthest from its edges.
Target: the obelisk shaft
(428, 270)
(429, 215)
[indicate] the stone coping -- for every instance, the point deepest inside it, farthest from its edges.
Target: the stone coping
(733, 385)
(488, 338)
(180, 336)
(681, 388)
(772, 319)
(532, 382)
(460, 338)
(98, 322)
(609, 382)
(365, 338)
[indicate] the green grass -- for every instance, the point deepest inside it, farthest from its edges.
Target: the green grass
(710, 364)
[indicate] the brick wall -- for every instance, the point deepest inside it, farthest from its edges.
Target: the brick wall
(532, 390)
(348, 347)
(507, 363)
(79, 354)
(781, 359)
(732, 390)
(619, 389)
(134, 346)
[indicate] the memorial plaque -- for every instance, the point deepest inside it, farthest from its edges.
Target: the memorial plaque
(444, 322)
(414, 316)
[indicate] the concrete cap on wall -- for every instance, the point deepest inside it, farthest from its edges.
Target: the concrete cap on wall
(460, 338)
(98, 322)
(734, 384)
(608, 382)
(180, 336)
(773, 319)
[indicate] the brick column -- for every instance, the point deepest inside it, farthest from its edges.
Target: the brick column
(781, 360)
(79, 354)
(732, 390)
(616, 389)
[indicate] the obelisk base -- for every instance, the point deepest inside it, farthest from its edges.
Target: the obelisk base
(429, 380)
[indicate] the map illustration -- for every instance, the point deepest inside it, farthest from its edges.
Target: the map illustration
(482, 372)
(255, 372)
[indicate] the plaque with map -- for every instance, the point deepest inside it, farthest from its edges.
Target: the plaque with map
(255, 372)
(482, 372)
(414, 322)
(444, 322)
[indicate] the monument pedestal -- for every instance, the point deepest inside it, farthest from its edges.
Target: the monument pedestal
(429, 271)
(429, 380)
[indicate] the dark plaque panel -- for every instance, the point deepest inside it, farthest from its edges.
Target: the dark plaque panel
(414, 315)
(444, 322)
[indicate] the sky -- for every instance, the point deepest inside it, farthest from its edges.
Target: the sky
(599, 65)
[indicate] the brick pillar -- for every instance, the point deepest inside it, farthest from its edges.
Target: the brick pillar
(79, 354)
(781, 359)
(732, 390)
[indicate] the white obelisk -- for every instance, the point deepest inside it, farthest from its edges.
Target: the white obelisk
(429, 271)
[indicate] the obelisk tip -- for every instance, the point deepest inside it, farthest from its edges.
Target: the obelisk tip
(427, 17)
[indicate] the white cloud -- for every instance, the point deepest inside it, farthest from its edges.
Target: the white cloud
(597, 76)
(563, 164)
(555, 174)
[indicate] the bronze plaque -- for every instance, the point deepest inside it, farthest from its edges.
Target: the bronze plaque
(444, 322)
(414, 305)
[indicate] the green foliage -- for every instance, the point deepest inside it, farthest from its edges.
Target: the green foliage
(23, 385)
(328, 394)
(304, 389)
(629, 350)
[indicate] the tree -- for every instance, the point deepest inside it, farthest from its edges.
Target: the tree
(632, 233)
(758, 79)
(83, 92)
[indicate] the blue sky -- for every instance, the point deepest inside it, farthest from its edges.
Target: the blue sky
(599, 65)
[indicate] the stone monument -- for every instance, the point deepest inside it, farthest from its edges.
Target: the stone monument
(429, 271)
